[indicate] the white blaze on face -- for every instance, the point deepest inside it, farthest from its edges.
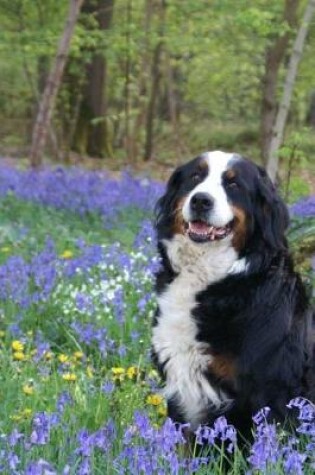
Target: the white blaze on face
(221, 214)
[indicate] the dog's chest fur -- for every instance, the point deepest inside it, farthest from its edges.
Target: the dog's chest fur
(186, 360)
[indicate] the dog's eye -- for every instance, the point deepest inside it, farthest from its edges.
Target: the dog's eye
(231, 185)
(196, 177)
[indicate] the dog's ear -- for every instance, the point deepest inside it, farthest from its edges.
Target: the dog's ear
(272, 216)
(164, 206)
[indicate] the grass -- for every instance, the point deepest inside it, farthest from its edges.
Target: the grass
(28, 386)
(75, 313)
(64, 227)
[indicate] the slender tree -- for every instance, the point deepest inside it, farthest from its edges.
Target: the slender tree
(278, 131)
(156, 77)
(143, 78)
(274, 56)
(47, 102)
(128, 144)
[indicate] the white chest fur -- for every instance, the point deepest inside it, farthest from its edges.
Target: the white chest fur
(174, 337)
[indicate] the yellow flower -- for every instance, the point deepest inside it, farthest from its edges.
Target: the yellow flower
(28, 389)
(67, 254)
(118, 373)
(162, 411)
(118, 370)
(17, 345)
(48, 355)
(63, 358)
(69, 377)
(25, 414)
(132, 371)
(78, 355)
(154, 399)
(19, 356)
(2, 333)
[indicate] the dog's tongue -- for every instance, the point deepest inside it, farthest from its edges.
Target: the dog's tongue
(199, 227)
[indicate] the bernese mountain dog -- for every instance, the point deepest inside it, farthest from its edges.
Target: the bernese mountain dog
(233, 328)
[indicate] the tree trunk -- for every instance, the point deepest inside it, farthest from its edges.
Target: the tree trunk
(144, 74)
(156, 76)
(275, 54)
(47, 102)
(278, 131)
(173, 108)
(94, 103)
(128, 144)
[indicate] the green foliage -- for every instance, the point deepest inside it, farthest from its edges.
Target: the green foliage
(216, 51)
(296, 155)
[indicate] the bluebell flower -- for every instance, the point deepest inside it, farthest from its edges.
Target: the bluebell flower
(41, 467)
(108, 387)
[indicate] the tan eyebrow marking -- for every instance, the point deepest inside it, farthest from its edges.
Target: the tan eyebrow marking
(203, 164)
(230, 174)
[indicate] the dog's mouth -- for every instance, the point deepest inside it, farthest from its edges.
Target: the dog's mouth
(200, 231)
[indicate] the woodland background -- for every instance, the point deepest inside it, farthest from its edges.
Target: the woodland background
(89, 91)
(150, 83)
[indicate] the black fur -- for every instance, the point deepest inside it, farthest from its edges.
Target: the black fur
(260, 318)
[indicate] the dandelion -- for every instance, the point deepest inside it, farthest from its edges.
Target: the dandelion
(131, 372)
(28, 389)
(48, 355)
(17, 345)
(63, 358)
(118, 370)
(154, 399)
(19, 356)
(67, 254)
(162, 411)
(22, 415)
(69, 377)
(118, 373)
(78, 355)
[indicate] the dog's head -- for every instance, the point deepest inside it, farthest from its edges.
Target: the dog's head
(222, 197)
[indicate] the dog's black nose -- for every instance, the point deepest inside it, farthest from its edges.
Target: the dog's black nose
(201, 202)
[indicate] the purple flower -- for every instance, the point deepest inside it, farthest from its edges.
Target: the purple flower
(261, 416)
(108, 387)
(304, 208)
(221, 431)
(13, 461)
(265, 449)
(41, 467)
(84, 467)
(41, 427)
(14, 437)
(293, 463)
(81, 191)
(65, 399)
